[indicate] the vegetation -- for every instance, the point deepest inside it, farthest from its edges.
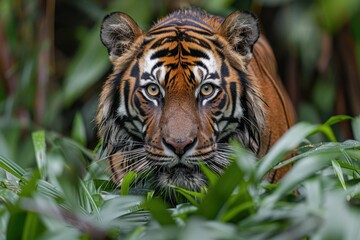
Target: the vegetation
(318, 199)
(54, 186)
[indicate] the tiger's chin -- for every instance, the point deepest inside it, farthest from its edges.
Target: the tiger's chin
(180, 176)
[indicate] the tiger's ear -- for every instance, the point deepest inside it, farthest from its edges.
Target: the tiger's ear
(241, 29)
(118, 32)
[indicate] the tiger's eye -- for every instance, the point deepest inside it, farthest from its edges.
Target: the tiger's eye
(153, 90)
(206, 90)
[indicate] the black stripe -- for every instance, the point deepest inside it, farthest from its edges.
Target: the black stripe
(165, 52)
(244, 80)
(180, 23)
(161, 31)
(196, 53)
(214, 75)
(138, 106)
(135, 72)
(222, 102)
(126, 95)
(115, 93)
(224, 72)
(233, 97)
(146, 75)
(243, 97)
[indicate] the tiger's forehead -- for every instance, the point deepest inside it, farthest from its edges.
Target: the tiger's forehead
(194, 68)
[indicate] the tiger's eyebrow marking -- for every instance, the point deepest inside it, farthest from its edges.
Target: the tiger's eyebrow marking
(146, 76)
(213, 75)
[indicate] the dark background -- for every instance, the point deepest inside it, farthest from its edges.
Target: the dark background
(52, 63)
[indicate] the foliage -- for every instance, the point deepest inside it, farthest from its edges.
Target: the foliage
(318, 199)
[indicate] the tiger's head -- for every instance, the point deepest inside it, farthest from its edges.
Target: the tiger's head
(178, 94)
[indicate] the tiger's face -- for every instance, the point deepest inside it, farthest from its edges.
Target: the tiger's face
(178, 94)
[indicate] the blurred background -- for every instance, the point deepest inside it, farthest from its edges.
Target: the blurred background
(52, 63)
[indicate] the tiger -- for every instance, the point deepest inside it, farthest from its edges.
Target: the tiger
(179, 93)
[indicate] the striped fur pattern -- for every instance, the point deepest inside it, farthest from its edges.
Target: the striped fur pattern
(180, 92)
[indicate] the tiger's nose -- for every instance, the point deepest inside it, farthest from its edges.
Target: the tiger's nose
(179, 145)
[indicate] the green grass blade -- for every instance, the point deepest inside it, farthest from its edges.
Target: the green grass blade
(56, 139)
(287, 143)
(88, 197)
(49, 190)
(339, 173)
(327, 131)
(40, 152)
(304, 169)
(235, 212)
(245, 160)
(349, 166)
(159, 212)
(218, 195)
(33, 226)
(326, 127)
(192, 197)
(16, 224)
(336, 119)
(211, 176)
(116, 206)
(13, 168)
(30, 187)
(128, 179)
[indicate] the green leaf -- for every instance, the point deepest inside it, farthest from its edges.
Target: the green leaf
(304, 169)
(116, 206)
(211, 176)
(327, 131)
(245, 160)
(135, 235)
(339, 173)
(314, 193)
(49, 190)
(326, 127)
(159, 211)
(7, 197)
(87, 197)
(285, 145)
(219, 194)
(191, 196)
(201, 229)
(236, 211)
(31, 186)
(13, 168)
(348, 166)
(61, 141)
(128, 179)
(33, 227)
(336, 119)
(78, 132)
(16, 224)
(40, 152)
(349, 149)
(340, 220)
